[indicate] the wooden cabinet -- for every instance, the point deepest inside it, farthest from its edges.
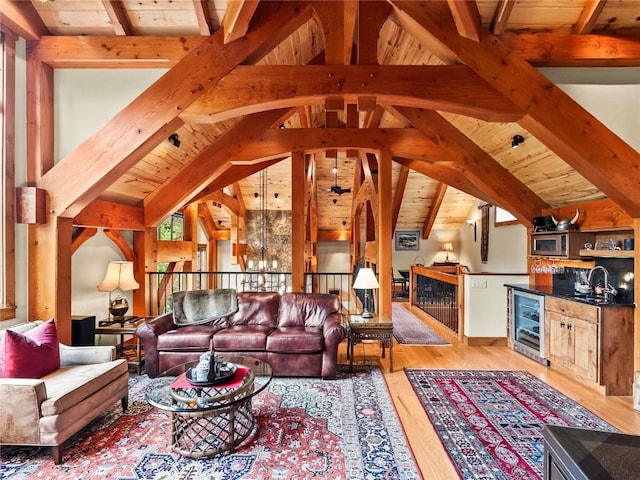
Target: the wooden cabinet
(592, 344)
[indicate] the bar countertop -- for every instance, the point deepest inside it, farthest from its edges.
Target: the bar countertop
(569, 294)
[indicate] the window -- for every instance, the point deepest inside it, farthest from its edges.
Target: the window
(504, 218)
(172, 228)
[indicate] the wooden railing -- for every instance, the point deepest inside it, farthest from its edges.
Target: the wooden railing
(436, 291)
(162, 284)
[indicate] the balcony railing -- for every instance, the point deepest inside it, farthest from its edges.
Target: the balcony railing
(162, 284)
(436, 293)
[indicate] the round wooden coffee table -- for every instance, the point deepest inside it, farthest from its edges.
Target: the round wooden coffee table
(211, 420)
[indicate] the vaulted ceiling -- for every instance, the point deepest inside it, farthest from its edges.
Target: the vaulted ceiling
(443, 86)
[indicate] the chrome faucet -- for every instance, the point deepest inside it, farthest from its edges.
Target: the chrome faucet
(608, 289)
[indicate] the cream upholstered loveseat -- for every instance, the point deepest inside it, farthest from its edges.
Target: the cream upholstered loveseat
(47, 411)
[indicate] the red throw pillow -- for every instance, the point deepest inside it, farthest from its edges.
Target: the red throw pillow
(32, 354)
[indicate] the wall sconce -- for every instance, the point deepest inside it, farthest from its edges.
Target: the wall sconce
(516, 141)
(447, 247)
(174, 139)
(472, 223)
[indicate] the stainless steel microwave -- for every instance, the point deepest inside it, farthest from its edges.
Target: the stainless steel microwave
(559, 244)
(551, 244)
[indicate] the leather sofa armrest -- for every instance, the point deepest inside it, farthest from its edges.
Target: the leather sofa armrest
(20, 412)
(333, 328)
(148, 333)
(86, 355)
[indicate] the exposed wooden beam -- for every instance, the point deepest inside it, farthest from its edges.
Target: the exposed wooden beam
(105, 155)
(253, 88)
(384, 231)
(102, 214)
(371, 18)
(476, 164)
(589, 16)
(237, 17)
(539, 49)
(467, 17)
(579, 138)
(444, 173)
(434, 208)
(22, 19)
(558, 50)
(39, 121)
(334, 235)
(111, 52)
(501, 16)
(201, 9)
(116, 237)
(397, 199)
(208, 165)
(80, 236)
(207, 220)
(118, 17)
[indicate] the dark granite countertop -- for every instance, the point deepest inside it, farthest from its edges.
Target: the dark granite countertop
(569, 294)
(593, 454)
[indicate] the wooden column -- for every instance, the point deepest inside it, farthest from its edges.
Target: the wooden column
(298, 184)
(50, 274)
(383, 226)
(145, 244)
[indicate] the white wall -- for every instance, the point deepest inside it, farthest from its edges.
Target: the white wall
(485, 300)
(334, 257)
(507, 245)
(430, 250)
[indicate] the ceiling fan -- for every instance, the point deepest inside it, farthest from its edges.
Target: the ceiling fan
(335, 188)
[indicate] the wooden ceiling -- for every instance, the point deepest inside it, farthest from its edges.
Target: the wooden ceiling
(443, 85)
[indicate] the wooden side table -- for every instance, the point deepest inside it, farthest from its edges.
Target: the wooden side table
(379, 327)
(127, 328)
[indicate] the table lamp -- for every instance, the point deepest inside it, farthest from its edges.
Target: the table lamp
(447, 247)
(119, 277)
(366, 280)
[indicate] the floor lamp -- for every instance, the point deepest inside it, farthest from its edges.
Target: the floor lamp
(366, 280)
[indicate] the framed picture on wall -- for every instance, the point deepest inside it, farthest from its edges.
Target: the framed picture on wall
(407, 240)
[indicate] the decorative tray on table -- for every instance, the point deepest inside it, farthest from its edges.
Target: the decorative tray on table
(225, 371)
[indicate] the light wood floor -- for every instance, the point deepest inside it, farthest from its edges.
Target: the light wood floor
(427, 449)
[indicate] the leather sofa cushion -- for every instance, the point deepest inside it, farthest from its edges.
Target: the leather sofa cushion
(69, 386)
(256, 308)
(241, 338)
(306, 309)
(295, 339)
(195, 337)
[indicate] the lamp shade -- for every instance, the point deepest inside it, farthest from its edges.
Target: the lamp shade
(365, 280)
(447, 247)
(119, 275)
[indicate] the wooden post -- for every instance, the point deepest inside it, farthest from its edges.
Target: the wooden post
(145, 244)
(383, 228)
(50, 273)
(297, 221)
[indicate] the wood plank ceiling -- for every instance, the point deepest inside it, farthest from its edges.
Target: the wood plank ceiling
(449, 148)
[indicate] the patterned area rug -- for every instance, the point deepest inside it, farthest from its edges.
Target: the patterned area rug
(490, 422)
(308, 428)
(410, 330)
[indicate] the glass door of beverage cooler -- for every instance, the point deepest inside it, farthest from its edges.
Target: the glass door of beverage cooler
(527, 327)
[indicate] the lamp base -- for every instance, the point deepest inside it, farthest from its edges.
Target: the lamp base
(366, 314)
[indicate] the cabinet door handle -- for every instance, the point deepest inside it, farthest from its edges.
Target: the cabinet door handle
(561, 324)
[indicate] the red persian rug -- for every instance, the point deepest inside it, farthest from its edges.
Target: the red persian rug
(490, 421)
(308, 428)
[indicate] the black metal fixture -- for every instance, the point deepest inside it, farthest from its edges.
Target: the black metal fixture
(219, 222)
(174, 139)
(276, 195)
(335, 188)
(281, 126)
(344, 223)
(516, 141)
(472, 223)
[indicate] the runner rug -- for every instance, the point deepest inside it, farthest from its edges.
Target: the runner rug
(308, 428)
(490, 421)
(410, 330)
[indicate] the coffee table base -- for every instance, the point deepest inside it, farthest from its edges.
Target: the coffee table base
(210, 433)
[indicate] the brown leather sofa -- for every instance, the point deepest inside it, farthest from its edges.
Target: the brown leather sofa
(296, 333)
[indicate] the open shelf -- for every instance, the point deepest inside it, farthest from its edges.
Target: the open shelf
(606, 253)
